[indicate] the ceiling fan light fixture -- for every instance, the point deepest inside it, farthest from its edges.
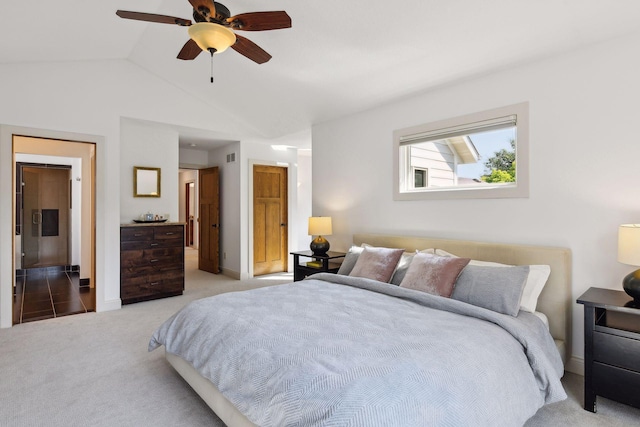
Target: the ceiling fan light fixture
(212, 36)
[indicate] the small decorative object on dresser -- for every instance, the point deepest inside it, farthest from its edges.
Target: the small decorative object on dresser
(629, 253)
(611, 347)
(151, 261)
(321, 263)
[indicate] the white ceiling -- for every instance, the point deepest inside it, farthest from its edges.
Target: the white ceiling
(340, 57)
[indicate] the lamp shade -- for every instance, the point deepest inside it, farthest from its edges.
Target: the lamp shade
(320, 226)
(629, 244)
(209, 35)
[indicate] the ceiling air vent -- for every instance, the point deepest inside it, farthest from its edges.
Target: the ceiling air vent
(231, 158)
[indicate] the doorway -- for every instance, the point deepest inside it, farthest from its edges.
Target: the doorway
(44, 215)
(54, 222)
(190, 211)
(270, 218)
(209, 218)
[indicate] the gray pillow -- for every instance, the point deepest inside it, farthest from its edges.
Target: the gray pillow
(497, 289)
(401, 268)
(350, 260)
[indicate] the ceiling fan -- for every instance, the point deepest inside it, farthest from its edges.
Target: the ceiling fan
(214, 28)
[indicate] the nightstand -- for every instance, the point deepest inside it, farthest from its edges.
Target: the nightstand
(326, 263)
(611, 347)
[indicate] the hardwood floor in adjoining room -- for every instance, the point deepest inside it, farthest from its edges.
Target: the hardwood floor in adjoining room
(45, 293)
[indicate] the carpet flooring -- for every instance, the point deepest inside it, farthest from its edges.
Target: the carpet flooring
(94, 369)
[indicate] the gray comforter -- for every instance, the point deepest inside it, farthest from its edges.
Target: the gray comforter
(338, 350)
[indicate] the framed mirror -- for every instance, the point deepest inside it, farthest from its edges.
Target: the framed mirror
(146, 182)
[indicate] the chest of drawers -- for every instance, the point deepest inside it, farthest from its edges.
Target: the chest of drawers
(151, 262)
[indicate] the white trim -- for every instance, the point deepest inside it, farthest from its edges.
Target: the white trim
(575, 365)
(231, 273)
(7, 192)
(458, 130)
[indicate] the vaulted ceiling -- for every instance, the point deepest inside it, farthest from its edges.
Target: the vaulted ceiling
(340, 57)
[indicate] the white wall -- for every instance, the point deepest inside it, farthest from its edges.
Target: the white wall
(188, 176)
(304, 199)
(235, 196)
(85, 101)
(139, 141)
(193, 159)
(583, 159)
(230, 243)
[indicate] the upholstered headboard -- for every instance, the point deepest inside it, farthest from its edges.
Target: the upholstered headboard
(555, 300)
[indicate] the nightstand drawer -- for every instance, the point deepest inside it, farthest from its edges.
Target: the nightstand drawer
(617, 351)
(618, 384)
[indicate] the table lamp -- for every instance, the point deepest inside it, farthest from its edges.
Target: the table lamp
(629, 253)
(319, 226)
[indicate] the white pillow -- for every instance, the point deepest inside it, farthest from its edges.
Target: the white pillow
(538, 275)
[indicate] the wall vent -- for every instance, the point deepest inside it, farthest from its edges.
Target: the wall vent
(231, 158)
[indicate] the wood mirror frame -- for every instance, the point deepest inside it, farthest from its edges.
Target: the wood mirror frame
(146, 182)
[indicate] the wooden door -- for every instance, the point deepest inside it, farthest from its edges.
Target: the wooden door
(209, 200)
(270, 232)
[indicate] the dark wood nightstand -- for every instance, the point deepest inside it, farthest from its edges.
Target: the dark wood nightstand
(611, 347)
(326, 263)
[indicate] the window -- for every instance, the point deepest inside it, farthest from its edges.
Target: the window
(482, 155)
(419, 178)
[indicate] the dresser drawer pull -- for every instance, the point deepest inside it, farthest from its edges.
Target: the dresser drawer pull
(155, 244)
(169, 234)
(154, 283)
(153, 260)
(138, 234)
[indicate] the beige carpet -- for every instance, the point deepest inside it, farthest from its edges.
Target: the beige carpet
(94, 369)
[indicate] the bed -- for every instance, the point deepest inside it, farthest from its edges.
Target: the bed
(285, 373)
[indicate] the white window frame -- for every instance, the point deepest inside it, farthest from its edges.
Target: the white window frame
(404, 190)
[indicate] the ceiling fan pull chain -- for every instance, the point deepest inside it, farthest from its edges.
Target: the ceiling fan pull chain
(212, 50)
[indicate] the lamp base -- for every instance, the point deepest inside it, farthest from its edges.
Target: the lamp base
(631, 285)
(319, 246)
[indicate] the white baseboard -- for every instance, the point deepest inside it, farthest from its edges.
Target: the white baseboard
(575, 365)
(114, 304)
(230, 273)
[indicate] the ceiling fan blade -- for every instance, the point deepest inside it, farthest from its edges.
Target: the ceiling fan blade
(260, 21)
(246, 47)
(152, 17)
(189, 51)
(206, 8)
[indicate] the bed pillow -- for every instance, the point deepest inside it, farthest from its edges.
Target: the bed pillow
(537, 278)
(497, 289)
(354, 252)
(433, 274)
(403, 265)
(376, 263)
(350, 260)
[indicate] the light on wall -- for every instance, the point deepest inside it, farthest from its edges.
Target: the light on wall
(319, 226)
(629, 253)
